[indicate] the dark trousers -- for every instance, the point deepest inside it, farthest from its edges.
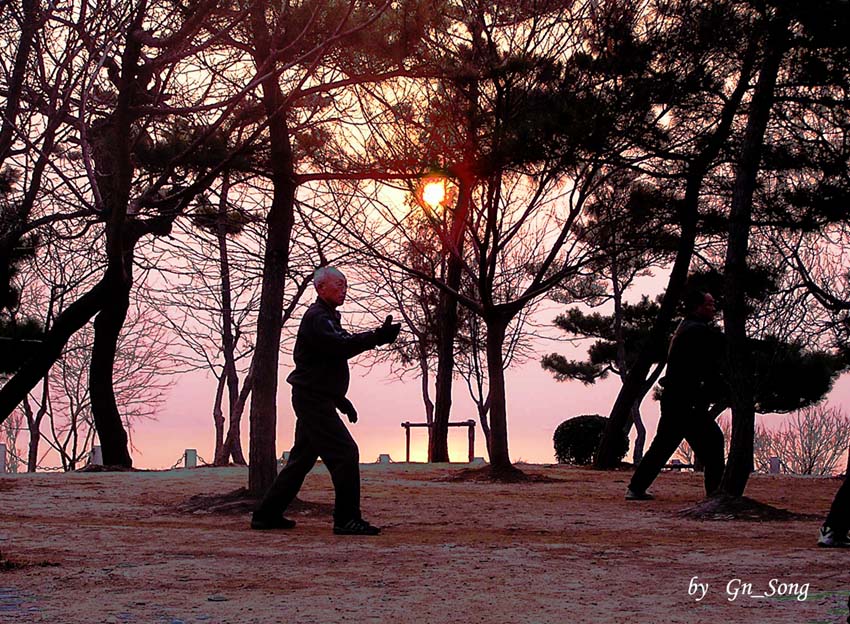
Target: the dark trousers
(839, 514)
(679, 421)
(319, 432)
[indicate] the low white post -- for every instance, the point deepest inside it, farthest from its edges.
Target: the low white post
(190, 458)
(775, 465)
(2, 458)
(96, 457)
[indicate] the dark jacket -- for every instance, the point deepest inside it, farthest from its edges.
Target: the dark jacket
(322, 351)
(695, 363)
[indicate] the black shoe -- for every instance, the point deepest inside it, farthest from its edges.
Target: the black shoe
(268, 523)
(829, 538)
(356, 526)
(640, 496)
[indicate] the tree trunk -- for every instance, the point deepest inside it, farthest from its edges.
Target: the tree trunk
(426, 397)
(108, 324)
(234, 436)
(104, 407)
(113, 175)
(219, 457)
(483, 411)
(232, 446)
(640, 429)
(45, 354)
(14, 215)
(635, 386)
(233, 440)
(15, 84)
(263, 415)
(438, 441)
(499, 457)
(34, 428)
(740, 463)
(634, 414)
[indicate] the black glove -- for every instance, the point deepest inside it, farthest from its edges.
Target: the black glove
(346, 407)
(387, 332)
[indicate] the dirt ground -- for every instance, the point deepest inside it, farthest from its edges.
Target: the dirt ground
(115, 548)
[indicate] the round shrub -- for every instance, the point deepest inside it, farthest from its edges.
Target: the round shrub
(577, 439)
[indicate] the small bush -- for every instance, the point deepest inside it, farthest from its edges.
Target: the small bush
(577, 439)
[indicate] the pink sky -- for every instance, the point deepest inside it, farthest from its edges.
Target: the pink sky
(536, 405)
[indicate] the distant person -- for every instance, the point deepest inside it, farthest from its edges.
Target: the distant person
(833, 533)
(319, 385)
(692, 383)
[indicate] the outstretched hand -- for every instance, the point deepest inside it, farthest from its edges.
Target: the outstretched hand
(347, 407)
(388, 332)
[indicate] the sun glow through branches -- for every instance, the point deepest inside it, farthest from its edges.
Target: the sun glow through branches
(434, 193)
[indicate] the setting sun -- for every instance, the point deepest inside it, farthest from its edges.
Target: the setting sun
(434, 193)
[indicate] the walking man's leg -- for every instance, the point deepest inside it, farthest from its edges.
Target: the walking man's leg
(706, 439)
(284, 489)
(334, 444)
(666, 441)
(342, 457)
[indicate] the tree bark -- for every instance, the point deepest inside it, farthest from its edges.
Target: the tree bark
(114, 174)
(498, 447)
(104, 407)
(232, 446)
(622, 365)
(34, 425)
(640, 429)
(219, 456)
(438, 442)
(740, 463)
(45, 355)
(424, 381)
(233, 440)
(14, 215)
(483, 411)
(15, 85)
(634, 386)
(279, 222)
(238, 410)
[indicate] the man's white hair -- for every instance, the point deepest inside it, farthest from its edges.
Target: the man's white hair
(322, 274)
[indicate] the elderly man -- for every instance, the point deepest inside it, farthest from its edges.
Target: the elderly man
(319, 384)
(693, 381)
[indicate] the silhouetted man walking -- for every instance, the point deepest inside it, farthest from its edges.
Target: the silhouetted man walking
(693, 381)
(319, 385)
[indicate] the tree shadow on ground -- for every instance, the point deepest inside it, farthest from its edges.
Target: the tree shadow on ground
(496, 474)
(239, 502)
(9, 565)
(740, 508)
(99, 468)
